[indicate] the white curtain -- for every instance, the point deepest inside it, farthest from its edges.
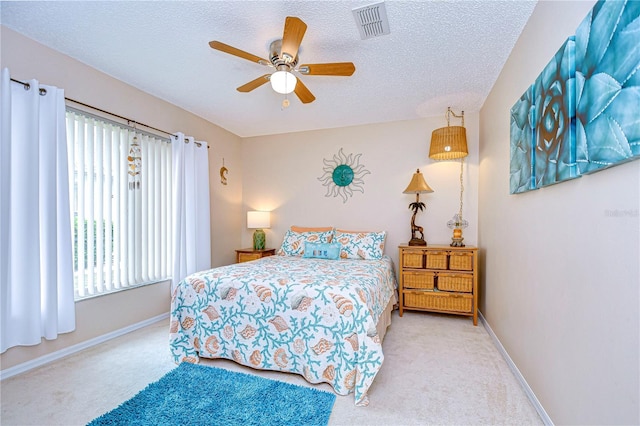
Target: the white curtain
(36, 277)
(191, 231)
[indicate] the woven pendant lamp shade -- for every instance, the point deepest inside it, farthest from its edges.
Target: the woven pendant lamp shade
(448, 143)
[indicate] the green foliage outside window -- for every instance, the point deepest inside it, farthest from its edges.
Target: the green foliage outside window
(105, 231)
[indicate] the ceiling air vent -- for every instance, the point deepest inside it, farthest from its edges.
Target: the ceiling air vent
(371, 20)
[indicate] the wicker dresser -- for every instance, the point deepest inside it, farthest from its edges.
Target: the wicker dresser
(439, 279)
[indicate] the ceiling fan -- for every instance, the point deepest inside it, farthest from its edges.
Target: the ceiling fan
(283, 56)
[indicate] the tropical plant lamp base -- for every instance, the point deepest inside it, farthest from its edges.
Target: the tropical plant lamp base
(259, 239)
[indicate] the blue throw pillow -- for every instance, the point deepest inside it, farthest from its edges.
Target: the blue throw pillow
(329, 251)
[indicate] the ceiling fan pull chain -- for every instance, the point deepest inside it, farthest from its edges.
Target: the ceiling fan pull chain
(285, 103)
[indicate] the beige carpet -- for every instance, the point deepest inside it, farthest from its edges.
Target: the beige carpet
(438, 369)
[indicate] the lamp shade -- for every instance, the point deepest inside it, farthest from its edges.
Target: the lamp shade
(258, 220)
(283, 82)
(448, 143)
(417, 185)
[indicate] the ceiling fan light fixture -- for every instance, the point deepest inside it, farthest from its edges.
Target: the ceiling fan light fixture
(283, 82)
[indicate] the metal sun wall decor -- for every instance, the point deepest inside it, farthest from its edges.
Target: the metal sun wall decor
(581, 114)
(342, 175)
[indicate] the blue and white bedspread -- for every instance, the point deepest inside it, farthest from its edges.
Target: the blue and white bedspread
(313, 317)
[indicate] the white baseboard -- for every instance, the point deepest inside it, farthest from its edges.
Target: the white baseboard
(532, 397)
(54, 356)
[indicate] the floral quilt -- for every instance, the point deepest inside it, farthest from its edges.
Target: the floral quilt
(313, 317)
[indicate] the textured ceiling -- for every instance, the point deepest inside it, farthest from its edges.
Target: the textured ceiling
(439, 54)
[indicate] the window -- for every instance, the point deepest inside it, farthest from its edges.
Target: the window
(122, 232)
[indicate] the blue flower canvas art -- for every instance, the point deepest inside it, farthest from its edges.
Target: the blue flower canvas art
(608, 85)
(554, 102)
(585, 105)
(522, 136)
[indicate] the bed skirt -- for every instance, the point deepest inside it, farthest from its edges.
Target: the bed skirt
(385, 318)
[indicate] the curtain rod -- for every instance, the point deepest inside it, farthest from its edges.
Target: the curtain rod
(128, 120)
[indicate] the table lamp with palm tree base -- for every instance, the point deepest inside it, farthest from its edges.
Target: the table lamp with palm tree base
(417, 186)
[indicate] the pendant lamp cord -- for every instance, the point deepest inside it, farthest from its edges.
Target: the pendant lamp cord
(461, 188)
(449, 113)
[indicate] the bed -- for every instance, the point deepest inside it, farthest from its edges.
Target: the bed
(321, 318)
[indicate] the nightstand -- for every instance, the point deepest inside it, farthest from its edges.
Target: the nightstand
(247, 254)
(439, 279)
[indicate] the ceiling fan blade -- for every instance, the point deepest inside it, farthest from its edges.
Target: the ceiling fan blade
(303, 93)
(217, 45)
(335, 68)
(294, 30)
(254, 84)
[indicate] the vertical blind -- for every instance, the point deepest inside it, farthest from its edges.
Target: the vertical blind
(122, 236)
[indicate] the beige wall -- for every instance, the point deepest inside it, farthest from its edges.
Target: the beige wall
(281, 175)
(561, 279)
(27, 59)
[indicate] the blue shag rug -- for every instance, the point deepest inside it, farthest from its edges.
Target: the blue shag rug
(194, 394)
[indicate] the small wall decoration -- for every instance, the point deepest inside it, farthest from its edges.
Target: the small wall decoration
(223, 173)
(584, 105)
(134, 160)
(342, 175)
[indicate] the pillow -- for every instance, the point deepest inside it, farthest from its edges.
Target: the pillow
(361, 245)
(329, 251)
(316, 229)
(293, 242)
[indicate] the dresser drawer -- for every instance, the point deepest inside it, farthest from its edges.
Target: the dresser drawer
(455, 282)
(421, 280)
(437, 260)
(432, 300)
(461, 261)
(413, 259)
(246, 257)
